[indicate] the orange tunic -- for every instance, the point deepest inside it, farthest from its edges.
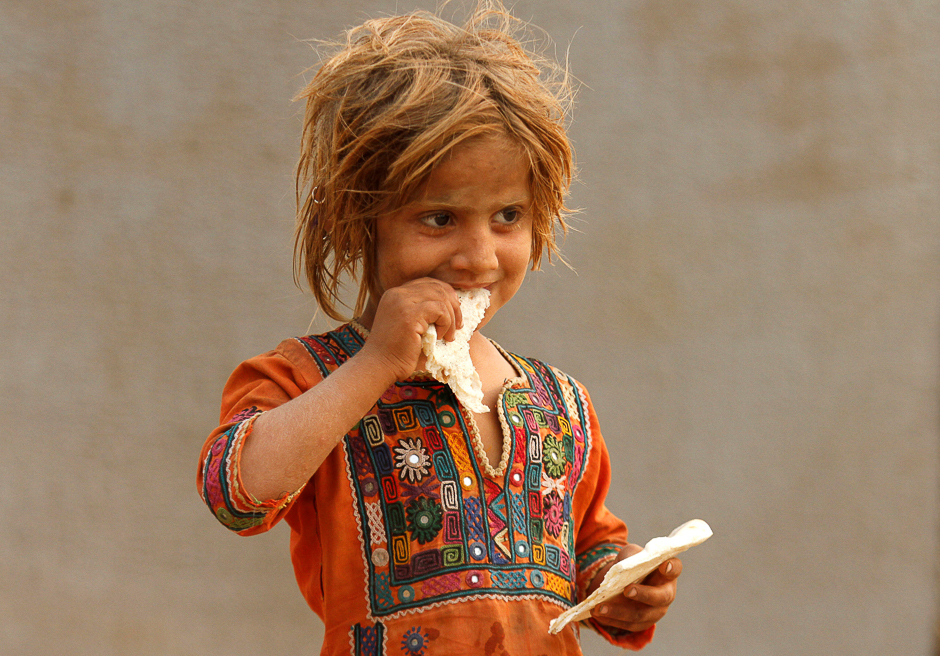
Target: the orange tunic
(407, 540)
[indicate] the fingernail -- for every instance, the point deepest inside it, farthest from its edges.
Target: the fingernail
(603, 610)
(632, 593)
(668, 568)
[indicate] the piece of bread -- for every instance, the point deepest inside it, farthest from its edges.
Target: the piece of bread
(449, 362)
(632, 569)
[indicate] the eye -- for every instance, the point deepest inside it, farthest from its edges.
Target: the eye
(437, 220)
(508, 216)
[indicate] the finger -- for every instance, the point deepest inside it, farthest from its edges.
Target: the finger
(671, 569)
(652, 595)
(629, 616)
(442, 308)
(456, 313)
(667, 571)
(452, 315)
(437, 305)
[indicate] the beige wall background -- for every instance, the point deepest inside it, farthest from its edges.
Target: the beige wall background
(754, 308)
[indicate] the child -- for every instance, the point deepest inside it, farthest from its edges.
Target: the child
(433, 159)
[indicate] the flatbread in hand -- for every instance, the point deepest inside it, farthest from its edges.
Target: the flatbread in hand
(449, 362)
(632, 569)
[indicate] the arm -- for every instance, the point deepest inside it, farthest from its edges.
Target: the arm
(279, 424)
(289, 443)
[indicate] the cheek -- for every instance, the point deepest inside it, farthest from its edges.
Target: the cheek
(394, 262)
(515, 261)
(520, 257)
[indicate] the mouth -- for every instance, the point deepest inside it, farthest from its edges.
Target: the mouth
(470, 286)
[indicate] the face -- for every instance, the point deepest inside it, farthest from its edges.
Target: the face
(469, 225)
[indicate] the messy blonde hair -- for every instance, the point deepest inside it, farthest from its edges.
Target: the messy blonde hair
(383, 111)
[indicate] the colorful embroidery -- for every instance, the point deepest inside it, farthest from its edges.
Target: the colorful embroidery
(220, 487)
(592, 561)
(424, 519)
(554, 513)
(367, 640)
(414, 641)
(550, 485)
(599, 552)
(435, 523)
(376, 527)
(247, 413)
(553, 455)
(434, 526)
(411, 459)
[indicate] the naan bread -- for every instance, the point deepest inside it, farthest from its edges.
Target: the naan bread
(632, 569)
(449, 362)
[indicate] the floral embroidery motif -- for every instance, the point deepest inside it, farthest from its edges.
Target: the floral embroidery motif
(424, 519)
(553, 457)
(414, 641)
(550, 485)
(554, 514)
(411, 459)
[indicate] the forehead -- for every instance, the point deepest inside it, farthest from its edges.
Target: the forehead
(491, 166)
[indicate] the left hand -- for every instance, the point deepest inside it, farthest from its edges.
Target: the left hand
(642, 604)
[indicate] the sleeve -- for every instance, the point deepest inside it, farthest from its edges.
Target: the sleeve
(257, 385)
(601, 534)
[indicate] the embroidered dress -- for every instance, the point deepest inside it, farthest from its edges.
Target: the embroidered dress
(407, 540)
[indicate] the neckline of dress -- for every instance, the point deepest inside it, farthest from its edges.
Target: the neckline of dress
(475, 439)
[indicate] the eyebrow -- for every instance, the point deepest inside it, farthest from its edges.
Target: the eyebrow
(454, 207)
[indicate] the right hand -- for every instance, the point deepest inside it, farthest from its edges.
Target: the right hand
(642, 604)
(402, 315)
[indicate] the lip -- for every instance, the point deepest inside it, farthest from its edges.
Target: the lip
(470, 286)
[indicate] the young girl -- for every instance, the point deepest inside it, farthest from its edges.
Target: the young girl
(434, 159)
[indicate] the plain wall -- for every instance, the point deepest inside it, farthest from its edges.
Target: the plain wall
(753, 305)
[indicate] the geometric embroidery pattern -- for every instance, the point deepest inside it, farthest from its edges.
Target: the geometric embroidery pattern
(367, 640)
(376, 527)
(434, 527)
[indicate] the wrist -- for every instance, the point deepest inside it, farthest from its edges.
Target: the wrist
(376, 364)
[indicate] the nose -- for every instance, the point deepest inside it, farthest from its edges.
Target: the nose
(476, 250)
